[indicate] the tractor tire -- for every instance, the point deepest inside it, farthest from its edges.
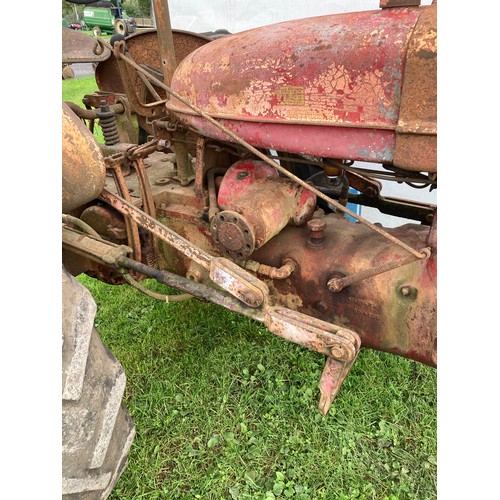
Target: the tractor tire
(97, 431)
(96, 31)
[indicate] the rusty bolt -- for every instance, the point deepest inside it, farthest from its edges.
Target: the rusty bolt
(164, 143)
(243, 174)
(162, 181)
(335, 284)
(316, 232)
(194, 275)
(321, 306)
(408, 291)
(337, 351)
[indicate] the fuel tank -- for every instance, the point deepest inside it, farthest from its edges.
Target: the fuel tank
(357, 86)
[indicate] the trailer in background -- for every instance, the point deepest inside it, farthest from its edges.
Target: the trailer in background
(105, 18)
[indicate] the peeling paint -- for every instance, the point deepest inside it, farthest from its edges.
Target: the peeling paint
(323, 73)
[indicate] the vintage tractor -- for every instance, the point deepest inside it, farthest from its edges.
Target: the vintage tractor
(226, 172)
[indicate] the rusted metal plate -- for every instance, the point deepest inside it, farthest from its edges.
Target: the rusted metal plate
(84, 171)
(165, 39)
(416, 140)
(80, 48)
(394, 312)
(364, 144)
(339, 77)
(143, 48)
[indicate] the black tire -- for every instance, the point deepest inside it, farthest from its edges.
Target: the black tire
(96, 31)
(97, 431)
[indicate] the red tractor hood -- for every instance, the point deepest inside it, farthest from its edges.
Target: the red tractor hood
(329, 86)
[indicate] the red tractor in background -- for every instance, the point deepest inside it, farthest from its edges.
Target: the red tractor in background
(226, 172)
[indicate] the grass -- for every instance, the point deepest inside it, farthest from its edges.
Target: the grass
(76, 88)
(73, 91)
(224, 409)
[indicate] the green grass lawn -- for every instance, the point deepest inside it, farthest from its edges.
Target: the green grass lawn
(224, 409)
(74, 89)
(89, 32)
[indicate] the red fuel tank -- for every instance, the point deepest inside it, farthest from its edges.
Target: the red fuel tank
(331, 86)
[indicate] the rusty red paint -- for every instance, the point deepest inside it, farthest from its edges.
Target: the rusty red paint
(262, 204)
(361, 144)
(339, 77)
(375, 308)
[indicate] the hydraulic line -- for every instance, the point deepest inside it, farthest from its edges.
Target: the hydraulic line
(159, 296)
(69, 219)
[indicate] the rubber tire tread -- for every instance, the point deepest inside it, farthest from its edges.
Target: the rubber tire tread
(97, 431)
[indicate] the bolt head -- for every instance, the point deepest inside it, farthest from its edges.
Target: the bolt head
(408, 291)
(316, 225)
(337, 351)
(321, 306)
(243, 174)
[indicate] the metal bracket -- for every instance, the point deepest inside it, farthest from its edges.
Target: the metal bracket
(238, 282)
(335, 372)
(224, 273)
(341, 346)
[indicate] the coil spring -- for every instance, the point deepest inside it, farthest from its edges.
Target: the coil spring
(107, 121)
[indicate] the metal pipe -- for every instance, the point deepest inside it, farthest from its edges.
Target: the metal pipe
(150, 87)
(91, 114)
(159, 296)
(337, 283)
(69, 219)
(278, 273)
(212, 194)
(197, 290)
